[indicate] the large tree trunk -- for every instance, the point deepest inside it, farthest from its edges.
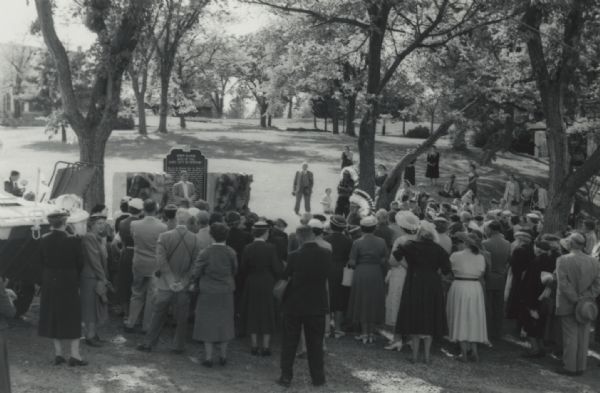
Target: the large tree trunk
(263, 114)
(163, 110)
(350, 115)
(141, 108)
(368, 124)
(269, 120)
(92, 145)
(63, 133)
(139, 90)
(290, 107)
(182, 123)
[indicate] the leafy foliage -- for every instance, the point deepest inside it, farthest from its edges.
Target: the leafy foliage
(419, 132)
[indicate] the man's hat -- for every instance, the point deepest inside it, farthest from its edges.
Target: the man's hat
(170, 207)
(316, 223)
(57, 213)
(586, 311)
(261, 225)
(338, 221)
(368, 221)
(136, 203)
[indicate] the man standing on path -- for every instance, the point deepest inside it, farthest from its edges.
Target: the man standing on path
(495, 278)
(303, 185)
(176, 252)
(578, 285)
(304, 306)
(145, 234)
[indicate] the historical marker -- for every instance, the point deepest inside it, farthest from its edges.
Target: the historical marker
(193, 162)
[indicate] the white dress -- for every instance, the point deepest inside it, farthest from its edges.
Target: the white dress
(395, 280)
(465, 307)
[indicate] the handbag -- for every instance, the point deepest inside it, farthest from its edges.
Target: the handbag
(347, 277)
(279, 289)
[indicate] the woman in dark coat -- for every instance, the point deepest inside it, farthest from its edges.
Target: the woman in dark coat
(340, 254)
(368, 257)
(60, 307)
(347, 159)
(409, 173)
(261, 267)
(7, 310)
(521, 257)
(345, 188)
(422, 312)
(534, 313)
(433, 165)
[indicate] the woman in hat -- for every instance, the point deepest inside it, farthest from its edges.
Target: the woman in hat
(261, 268)
(60, 306)
(422, 312)
(521, 257)
(344, 190)
(537, 281)
(408, 224)
(340, 254)
(465, 306)
(433, 165)
(214, 271)
(367, 294)
(94, 279)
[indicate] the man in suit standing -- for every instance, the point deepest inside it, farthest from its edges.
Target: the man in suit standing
(303, 185)
(495, 277)
(578, 279)
(176, 252)
(304, 306)
(184, 191)
(12, 184)
(145, 233)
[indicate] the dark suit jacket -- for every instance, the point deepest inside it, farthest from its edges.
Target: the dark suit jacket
(499, 249)
(306, 294)
(11, 189)
(297, 185)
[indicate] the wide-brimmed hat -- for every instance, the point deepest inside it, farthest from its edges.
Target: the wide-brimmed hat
(316, 223)
(523, 235)
(170, 207)
(574, 237)
(57, 213)
(368, 221)
(261, 225)
(469, 239)
(136, 203)
(281, 222)
(338, 221)
(320, 217)
(586, 311)
(506, 213)
(533, 216)
(407, 220)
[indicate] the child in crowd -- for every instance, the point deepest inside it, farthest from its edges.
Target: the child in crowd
(326, 202)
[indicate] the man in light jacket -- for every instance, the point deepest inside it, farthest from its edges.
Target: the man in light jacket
(578, 278)
(176, 252)
(145, 234)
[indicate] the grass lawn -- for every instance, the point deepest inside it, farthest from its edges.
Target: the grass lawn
(272, 156)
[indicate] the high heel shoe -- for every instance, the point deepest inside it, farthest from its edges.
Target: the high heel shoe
(394, 346)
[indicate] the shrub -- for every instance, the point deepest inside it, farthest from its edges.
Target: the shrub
(419, 132)
(124, 123)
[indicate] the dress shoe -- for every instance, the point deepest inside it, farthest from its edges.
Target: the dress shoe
(207, 363)
(223, 361)
(265, 352)
(143, 348)
(286, 383)
(395, 346)
(73, 362)
(90, 342)
(58, 360)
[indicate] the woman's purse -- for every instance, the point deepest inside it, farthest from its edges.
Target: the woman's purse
(279, 289)
(347, 276)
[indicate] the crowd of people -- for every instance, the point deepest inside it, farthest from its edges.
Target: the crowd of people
(424, 270)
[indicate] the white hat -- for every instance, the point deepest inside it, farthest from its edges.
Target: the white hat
(136, 203)
(407, 220)
(533, 216)
(315, 224)
(368, 221)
